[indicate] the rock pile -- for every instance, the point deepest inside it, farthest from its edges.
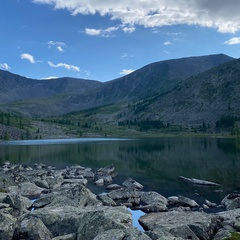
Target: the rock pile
(42, 202)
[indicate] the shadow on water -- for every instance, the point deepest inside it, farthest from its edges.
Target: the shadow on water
(156, 163)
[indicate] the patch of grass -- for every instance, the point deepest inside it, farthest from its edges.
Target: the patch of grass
(235, 236)
(2, 190)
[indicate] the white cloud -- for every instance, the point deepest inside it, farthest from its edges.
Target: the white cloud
(101, 32)
(167, 43)
(49, 78)
(59, 45)
(233, 41)
(28, 57)
(5, 66)
(128, 29)
(64, 65)
(126, 55)
(220, 14)
(126, 71)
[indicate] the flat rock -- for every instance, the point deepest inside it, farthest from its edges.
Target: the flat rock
(199, 181)
(194, 224)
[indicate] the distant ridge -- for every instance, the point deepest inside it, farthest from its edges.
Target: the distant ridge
(60, 96)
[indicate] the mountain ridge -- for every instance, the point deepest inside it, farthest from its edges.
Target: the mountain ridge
(43, 98)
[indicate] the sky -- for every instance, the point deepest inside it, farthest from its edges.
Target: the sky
(107, 39)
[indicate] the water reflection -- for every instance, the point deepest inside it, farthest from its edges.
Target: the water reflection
(156, 163)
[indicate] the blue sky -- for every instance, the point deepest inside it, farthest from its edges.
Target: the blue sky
(106, 39)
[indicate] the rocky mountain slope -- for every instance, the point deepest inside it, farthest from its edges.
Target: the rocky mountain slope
(60, 96)
(205, 97)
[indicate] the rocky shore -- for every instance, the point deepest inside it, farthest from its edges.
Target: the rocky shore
(41, 202)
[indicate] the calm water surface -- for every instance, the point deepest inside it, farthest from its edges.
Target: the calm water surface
(156, 163)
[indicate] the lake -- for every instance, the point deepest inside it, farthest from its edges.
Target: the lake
(155, 163)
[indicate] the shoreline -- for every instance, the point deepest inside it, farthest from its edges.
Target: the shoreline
(65, 208)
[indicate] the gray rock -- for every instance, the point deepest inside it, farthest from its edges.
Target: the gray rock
(223, 233)
(199, 181)
(231, 201)
(130, 183)
(116, 234)
(108, 169)
(162, 234)
(88, 173)
(72, 236)
(210, 204)
(187, 202)
(74, 195)
(126, 195)
(18, 203)
(106, 200)
(153, 198)
(153, 208)
(82, 181)
(33, 228)
(26, 189)
(44, 200)
(237, 224)
(228, 218)
(135, 234)
(103, 176)
(61, 220)
(194, 224)
(87, 221)
(42, 183)
(173, 200)
(97, 221)
(113, 187)
(99, 182)
(7, 226)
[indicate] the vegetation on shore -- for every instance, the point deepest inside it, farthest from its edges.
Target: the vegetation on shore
(91, 123)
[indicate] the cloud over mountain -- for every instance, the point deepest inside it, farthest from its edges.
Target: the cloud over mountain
(28, 57)
(64, 65)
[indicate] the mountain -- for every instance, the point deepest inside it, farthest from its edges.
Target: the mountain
(158, 77)
(206, 97)
(14, 87)
(60, 96)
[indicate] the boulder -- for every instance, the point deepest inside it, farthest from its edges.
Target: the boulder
(87, 222)
(153, 198)
(116, 234)
(181, 224)
(7, 226)
(163, 234)
(106, 200)
(103, 176)
(223, 233)
(199, 181)
(42, 183)
(26, 189)
(82, 181)
(231, 201)
(229, 218)
(73, 195)
(131, 183)
(32, 228)
(102, 219)
(108, 169)
(152, 208)
(113, 187)
(72, 236)
(18, 203)
(125, 195)
(187, 202)
(43, 200)
(60, 220)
